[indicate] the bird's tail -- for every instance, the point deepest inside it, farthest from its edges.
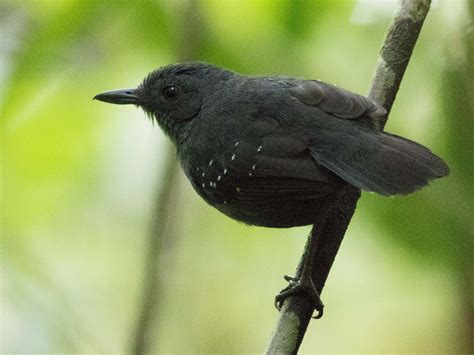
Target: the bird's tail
(376, 161)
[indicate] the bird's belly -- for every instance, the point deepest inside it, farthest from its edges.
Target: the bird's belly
(261, 201)
(276, 214)
(249, 187)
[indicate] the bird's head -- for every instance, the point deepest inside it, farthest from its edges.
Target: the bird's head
(172, 95)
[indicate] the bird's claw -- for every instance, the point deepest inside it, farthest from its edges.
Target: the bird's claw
(298, 285)
(292, 281)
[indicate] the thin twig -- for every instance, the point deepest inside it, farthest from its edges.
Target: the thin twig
(394, 56)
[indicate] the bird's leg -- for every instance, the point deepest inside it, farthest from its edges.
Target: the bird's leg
(303, 281)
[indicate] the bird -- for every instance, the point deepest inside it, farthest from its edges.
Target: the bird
(271, 151)
(275, 151)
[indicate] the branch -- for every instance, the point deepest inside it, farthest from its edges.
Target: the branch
(396, 51)
(160, 242)
(163, 234)
(394, 56)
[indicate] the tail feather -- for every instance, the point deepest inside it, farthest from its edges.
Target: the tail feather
(376, 161)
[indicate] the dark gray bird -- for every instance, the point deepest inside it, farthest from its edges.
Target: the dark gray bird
(276, 151)
(273, 151)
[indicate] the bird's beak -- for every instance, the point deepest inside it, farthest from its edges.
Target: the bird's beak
(119, 97)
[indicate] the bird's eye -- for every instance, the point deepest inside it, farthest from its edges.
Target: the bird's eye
(170, 92)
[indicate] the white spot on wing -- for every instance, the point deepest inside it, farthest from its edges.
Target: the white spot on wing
(233, 157)
(259, 148)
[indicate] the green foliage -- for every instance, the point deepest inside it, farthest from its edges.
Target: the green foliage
(79, 179)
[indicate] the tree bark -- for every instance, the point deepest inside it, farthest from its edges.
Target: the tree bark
(394, 56)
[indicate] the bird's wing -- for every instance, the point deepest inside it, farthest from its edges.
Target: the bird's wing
(276, 164)
(335, 101)
(366, 158)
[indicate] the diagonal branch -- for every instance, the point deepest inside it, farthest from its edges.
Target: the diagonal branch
(394, 56)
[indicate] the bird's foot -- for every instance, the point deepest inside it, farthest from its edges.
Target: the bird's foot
(300, 285)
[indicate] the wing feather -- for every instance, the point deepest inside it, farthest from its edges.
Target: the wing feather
(336, 101)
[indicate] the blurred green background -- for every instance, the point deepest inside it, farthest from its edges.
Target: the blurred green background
(80, 181)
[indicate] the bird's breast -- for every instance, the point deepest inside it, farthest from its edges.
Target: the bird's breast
(216, 172)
